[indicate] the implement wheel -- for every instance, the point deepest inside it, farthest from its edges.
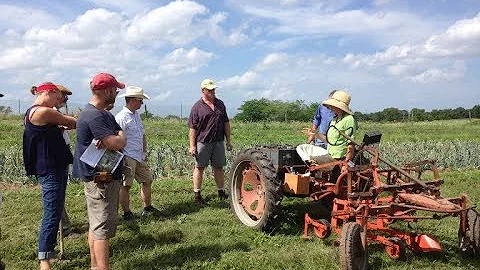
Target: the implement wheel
(469, 243)
(353, 255)
(397, 250)
(256, 191)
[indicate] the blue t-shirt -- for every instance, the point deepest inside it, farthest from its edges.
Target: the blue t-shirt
(322, 120)
(92, 124)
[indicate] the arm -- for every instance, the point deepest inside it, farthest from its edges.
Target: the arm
(228, 135)
(311, 135)
(192, 136)
(45, 115)
(115, 142)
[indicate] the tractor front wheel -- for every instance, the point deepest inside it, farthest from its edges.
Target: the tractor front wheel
(256, 191)
(353, 255)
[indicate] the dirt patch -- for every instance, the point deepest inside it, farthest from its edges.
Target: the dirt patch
(15, 186)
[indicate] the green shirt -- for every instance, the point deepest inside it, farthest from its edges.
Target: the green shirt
(338, 145)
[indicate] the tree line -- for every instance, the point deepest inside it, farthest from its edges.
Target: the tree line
(275, 110)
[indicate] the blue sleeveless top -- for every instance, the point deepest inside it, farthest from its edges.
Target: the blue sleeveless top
(44, 149)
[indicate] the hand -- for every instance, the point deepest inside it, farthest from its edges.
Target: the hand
(192, 151)
(145, 157)
(99, 144)
(309, 132)
(229, 146)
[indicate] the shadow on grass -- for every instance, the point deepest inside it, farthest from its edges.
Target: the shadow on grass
(172, 211)
(292, 216)
(183, 256)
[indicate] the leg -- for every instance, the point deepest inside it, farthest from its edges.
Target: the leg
(197, 178)
(124, 198)
(219, 177)
(146, 194)
(53, 199)
(102, 209)
(129, 168)
(93, 259)
(101, 253)
(218, 161)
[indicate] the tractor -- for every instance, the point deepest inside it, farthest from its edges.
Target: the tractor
(366, 195)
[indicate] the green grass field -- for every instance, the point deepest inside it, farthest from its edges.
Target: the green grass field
(189, 237)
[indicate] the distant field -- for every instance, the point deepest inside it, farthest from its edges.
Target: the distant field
(454, 143)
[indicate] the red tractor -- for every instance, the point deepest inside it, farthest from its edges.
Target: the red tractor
(366, 193)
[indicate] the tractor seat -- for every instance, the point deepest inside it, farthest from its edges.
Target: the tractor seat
(313, 154)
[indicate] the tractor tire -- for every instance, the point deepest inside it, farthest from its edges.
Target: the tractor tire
(353, 256)
(469, 243)
(256, 190)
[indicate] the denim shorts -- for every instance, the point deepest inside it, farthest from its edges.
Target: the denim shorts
(53, 199)
(210, 152)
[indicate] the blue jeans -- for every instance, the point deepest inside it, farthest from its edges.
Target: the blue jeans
(53, 199)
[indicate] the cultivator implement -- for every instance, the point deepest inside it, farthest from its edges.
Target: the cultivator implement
(367, 194)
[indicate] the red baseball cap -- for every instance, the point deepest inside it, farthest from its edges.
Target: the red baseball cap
(47, 86)
(105, 80)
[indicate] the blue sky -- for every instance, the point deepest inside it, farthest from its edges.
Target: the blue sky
(385, 53)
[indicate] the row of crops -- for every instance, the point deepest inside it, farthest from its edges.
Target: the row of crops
(170, 161)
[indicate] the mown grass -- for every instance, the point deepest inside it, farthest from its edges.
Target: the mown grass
(189, 237)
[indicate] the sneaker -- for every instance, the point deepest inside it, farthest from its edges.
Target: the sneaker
(150, 210)
(127, 216)
(198, 199)
(222, 194)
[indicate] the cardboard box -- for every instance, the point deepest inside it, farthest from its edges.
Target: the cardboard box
(296, 184)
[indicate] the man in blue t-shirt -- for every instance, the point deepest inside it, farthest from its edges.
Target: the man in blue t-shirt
(321, 120)
(101, 188)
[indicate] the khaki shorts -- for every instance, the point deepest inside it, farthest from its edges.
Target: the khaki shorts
(132, 169)
(102, 208)
(210, 152)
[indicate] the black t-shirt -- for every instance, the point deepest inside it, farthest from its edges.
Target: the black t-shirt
(209, 124)
(92, 124)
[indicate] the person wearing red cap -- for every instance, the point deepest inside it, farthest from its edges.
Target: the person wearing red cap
(47, 156)
(101, 188)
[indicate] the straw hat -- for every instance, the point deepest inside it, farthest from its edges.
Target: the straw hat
(134, 91)
(340, 99)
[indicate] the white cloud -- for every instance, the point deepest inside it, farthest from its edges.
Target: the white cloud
(246, 80)
(162, 96)
(185, 61)
(423, 62)
(22, 18)
(273, 60)
(381, 2)
(180, 23)
(175, 23)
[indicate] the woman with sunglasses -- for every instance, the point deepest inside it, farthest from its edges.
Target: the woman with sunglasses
(47, 156)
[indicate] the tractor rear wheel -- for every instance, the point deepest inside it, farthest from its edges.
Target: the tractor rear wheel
(256, 191)
(469, 242)
(353, 255)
